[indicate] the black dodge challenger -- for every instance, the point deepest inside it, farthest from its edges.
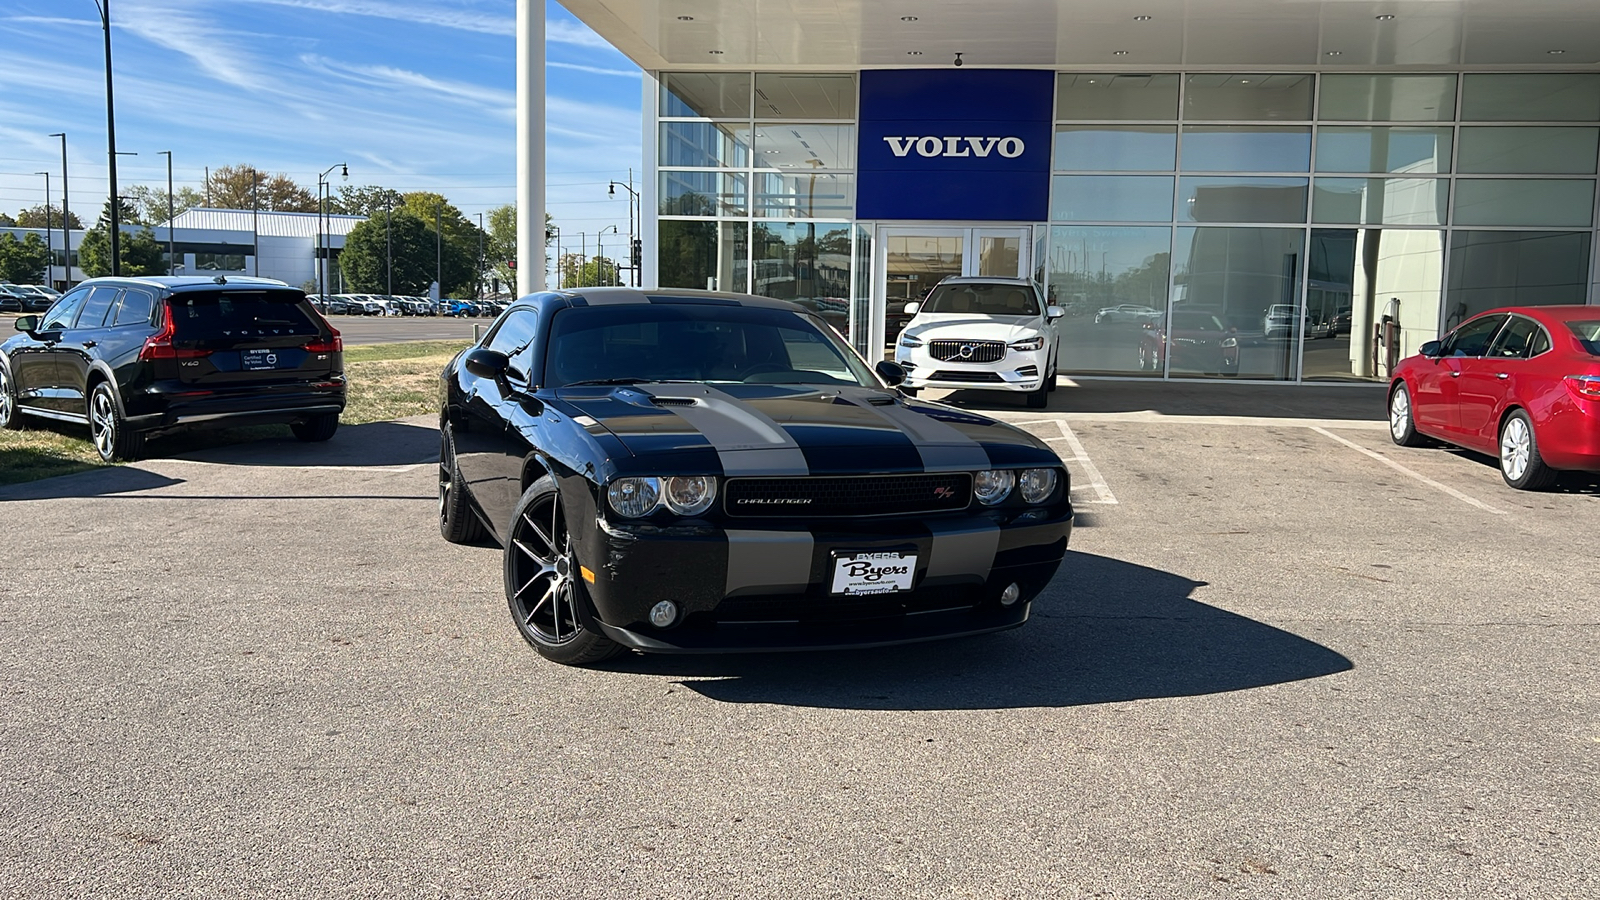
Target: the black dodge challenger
(684, 471)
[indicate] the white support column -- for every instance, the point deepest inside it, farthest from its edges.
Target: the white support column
(649, 227)
(530, 146)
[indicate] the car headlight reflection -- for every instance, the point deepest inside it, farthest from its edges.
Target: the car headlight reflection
(993, 485)
(634, 497)
(1038, 484)
(1033, 343)
(690, 495)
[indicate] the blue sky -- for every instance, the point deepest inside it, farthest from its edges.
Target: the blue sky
(413, 94)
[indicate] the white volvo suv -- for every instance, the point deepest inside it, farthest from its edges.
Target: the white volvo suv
(981, 333)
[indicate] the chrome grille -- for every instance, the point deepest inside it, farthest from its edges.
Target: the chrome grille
(976, 351)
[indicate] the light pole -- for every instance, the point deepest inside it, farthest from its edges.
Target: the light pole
(171, 256)
(599, 254)
(633, 198)
(388, 249)
(111, 143)
(49, 244)
(555, 230)
(480, 256)
(438, 249)
(322, 231)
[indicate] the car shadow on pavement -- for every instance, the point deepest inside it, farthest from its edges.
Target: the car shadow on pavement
(1107, 631)
(102, 482)
(1570, 482)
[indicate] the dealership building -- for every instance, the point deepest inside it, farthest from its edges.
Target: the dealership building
(1375, 171)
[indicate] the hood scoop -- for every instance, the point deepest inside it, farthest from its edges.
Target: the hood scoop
(675, 401)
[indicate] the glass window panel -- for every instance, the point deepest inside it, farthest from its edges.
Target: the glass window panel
(782, 95)
(1490, 269)
(1249, 279)
(1242, 199)
(786, 146)
(1357, 276)
(1116, 147)
(705, 255)
(1508, 150)
(1108, 281)
(710, 95)
(1531, 98)
(703, 194)
(1409, 150)
(1111, 198)
(706, 145)
(804, 194)
(861, 296)
(1117, 97)
(1247, 97)
(1388, 98)
(806, 262)
(1380, 201)
(1524, 201)
(1246, 148)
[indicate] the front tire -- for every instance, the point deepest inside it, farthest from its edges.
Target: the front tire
(1520, 463)
(113, 440)
(458, 524)
(10, 417)
(544, 582)
(1039, 398)
(1402, 428)
(316, 428)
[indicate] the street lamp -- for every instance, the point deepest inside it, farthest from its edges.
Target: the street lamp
(322, 215)
(633, 264)
(66, 218)
(599, 254)
(49, 244)
(111, 143)
(556, 231)
(171, 256)
(480, 256)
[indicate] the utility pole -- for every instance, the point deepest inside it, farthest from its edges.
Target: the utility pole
(480, 256)
(438, 243)
(66, 215)
(172, 260)
(111, 144)
(633, 198)
(255, 223)
(388, 250)
(49, 245)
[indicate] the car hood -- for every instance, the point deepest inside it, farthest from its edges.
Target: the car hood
(966, 327)
(746, 429)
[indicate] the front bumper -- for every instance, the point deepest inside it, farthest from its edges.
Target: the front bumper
(1021, 371)
(768, 586)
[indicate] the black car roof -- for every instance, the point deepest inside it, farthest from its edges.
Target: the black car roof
(618, 296)
(181, 283)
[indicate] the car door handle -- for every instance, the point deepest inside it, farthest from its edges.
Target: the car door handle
(1455, 374)
(1502, 375)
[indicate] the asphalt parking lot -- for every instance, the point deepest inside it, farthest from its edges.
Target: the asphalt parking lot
(1284, 659)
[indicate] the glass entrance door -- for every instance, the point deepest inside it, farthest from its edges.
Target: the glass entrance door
(910, 260)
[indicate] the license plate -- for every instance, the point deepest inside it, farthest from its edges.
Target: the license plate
(257, 360)
(873, 573)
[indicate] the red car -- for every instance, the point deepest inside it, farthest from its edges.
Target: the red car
(1196, 341)
(1521, 383)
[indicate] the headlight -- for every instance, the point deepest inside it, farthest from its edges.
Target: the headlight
(993, 485)
(909, 342)
(1033, 343)
(690, 495)
(634, 497)
(1038, 484)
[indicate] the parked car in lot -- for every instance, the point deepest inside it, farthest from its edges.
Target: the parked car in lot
(1125, 314)
(983, 334)
(14, 299)
(1194, 340)
(679, 471)
(1519, 383)
(134, 357)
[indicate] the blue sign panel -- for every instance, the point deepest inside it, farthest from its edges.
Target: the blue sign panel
(955, 144)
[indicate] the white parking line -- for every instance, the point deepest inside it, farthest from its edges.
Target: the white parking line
(1081, 457)
(1470, 501)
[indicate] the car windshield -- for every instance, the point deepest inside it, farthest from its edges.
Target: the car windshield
(983, 299)
(649, 342)
(218, 315)
(1588, 334)
(1189, 321)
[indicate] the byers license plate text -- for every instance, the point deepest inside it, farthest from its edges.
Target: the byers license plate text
(873, 573)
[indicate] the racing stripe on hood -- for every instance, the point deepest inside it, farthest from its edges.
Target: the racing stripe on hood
(747, 442)
(943, 447)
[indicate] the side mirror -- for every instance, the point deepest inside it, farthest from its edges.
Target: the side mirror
(1054, 312)
(911, 309)
(891, 372)
(1430, 349)
(27, 324)
(483, 363)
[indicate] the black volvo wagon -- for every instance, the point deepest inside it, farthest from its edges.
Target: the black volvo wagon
(133, 357)
(682, 471)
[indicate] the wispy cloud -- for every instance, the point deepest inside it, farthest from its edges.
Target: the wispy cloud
(400, 80)
(593, 70)
(564, 32)
(49, 20)
(462, 20)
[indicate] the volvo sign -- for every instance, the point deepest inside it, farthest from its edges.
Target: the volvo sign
(955, 145)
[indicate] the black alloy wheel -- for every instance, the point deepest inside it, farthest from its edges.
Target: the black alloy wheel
(113, 440)
(9, 416)
(544, 584)
(458, 524)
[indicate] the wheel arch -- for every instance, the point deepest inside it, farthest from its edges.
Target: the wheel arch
(1505, 414)
(100, 373)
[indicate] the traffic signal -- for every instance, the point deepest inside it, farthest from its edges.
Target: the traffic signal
(511, 264)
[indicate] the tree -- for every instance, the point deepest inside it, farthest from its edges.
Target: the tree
(152, 202)
(34, 217)
(365, 258)
(230, 187)
(500, 246)
(24, 261)
(141, 254)
(596, 271)
(126, 214)
(6, 221)
(364, 200)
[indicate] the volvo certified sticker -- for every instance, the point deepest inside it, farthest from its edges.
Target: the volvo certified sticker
(873, 573)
